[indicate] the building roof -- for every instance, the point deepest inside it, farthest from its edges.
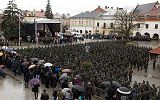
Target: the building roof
(155, 12)
(105, 17)
(144, 8)
(87, 14)
(99, 9)
(155, 51)
(44, 20)
(40, 14)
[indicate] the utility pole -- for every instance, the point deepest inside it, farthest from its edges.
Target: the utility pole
(36, 35)
(19, 31)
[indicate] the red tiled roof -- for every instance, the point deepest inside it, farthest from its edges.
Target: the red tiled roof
(40, 13)
(155, 12)
(99, 9)
(155, 51)
(151, 19)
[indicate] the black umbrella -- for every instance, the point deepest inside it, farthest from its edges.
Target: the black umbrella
(115, 83)
(78, 88)
(34, 59)
(123, 90)
(106, 83)
(64, 78)
(25, 63)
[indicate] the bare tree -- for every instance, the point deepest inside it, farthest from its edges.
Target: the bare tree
(125, 23)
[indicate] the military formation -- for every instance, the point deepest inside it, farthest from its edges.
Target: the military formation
(110, 61)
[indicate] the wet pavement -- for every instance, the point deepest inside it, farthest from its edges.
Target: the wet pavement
(12, 88)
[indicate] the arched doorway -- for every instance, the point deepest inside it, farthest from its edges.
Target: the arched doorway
(147, 34)
(155, 36)
(138, 34)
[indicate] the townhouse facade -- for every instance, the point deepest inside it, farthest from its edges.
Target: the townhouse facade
(99, 21)
(150, 14)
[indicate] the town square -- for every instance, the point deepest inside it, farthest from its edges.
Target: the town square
(102, 51)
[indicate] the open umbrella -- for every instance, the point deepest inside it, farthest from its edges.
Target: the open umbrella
(47, 64)
(57, 69)
(34, 81)
(32, 66)
(106, 83)
(34, 59)
(1, 66)
(1, 53)
(78, 88)
(25, 63)
(123, 90)
(4, 47)
(13, 52)
(64, 90)
(64, 77)
(66, 70)
(41, 62)
(115, 83)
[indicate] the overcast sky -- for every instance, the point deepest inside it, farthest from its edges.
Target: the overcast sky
(74, 6)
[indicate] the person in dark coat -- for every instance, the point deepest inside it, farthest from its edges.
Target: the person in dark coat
(44, 95)
(88, 93)
(65, 84)
(35, 89)
(26, 79)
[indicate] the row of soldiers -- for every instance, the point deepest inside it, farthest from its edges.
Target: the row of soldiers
(145, 91)
(107, 58)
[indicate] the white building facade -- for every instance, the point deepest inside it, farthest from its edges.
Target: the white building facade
(97, 21)
(151, 19)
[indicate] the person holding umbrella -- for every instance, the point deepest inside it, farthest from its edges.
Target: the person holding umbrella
(35, 83)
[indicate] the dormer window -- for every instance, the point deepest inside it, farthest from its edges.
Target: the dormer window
(148, 16)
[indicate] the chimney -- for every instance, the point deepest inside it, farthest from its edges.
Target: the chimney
(42, 10)
(120, 8)
(99, 6)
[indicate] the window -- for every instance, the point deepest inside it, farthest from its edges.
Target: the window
(147, 26)
(147, 16)
(98, 24)
(79, 22)
(104, 25)
(138, 25)
(82, 22)
(80, 31)
(156, 26)
(86, 22)
(111, 25)
(89, 22)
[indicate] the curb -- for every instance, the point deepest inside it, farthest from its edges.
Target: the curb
(13, 77)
